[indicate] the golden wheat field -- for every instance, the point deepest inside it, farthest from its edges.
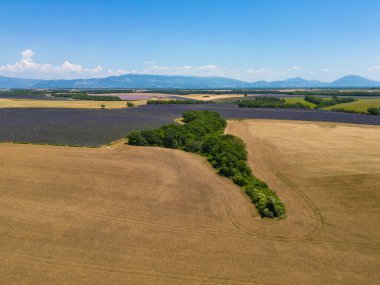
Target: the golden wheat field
(77, 104)
(144, 215)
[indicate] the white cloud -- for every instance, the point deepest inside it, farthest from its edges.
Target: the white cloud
(269, 74)
(259, 71)
(27, 55)
(293, 68)
(189, 70)
(117, 72)
(374, 68)
(27, 67)
(209, 67)
(325, 69)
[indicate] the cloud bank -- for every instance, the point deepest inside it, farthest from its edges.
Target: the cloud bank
(27, 67)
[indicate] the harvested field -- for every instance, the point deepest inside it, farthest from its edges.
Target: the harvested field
(137, 215)
(327, 173)
(80, 104)
(86, 127)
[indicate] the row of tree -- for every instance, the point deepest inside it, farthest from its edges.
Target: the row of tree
(325, 92)
(321, 102)
(84, 96)
(370, 111)
(269, 102)
(171, 102)
(202, 133)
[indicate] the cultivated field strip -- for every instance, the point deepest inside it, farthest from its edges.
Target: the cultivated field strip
(81, 127)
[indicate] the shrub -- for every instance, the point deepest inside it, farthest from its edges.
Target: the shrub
(373, 111)
(130, 104)
(102, 106)
(267, 202)
(136, 138)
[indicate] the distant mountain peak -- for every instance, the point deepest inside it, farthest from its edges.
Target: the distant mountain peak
(354, 81)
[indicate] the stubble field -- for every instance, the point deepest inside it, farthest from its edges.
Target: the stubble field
(74, 104)
(139, 215)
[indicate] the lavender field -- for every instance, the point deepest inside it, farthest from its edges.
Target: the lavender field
(84, 127)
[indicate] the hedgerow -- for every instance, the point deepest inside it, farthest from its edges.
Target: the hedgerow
(84, 96)
(269, 102)
(320, 102)
(202, 133)
(173, 102)
(370, 111)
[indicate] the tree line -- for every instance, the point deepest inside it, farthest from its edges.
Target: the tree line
(326, 92)
(321, 102)
(171, 102)
(269, 102)
(370, 111)
(203, 133)
(84, 96)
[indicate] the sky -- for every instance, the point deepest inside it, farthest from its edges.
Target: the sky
(243, 39)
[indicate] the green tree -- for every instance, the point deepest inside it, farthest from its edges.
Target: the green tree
(136, 138)
(373, 111)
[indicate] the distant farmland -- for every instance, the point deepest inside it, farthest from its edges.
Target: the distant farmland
(361, 105)
(86, 127)
(54, 103)
(301, 100)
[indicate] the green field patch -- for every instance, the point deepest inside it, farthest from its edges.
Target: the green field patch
(361, 105)
(300, 100)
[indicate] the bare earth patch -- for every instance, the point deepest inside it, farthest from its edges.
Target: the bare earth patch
(138, 215)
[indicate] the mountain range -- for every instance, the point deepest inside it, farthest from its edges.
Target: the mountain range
(183, 82)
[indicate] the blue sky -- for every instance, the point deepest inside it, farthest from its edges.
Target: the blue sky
(248, 40)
